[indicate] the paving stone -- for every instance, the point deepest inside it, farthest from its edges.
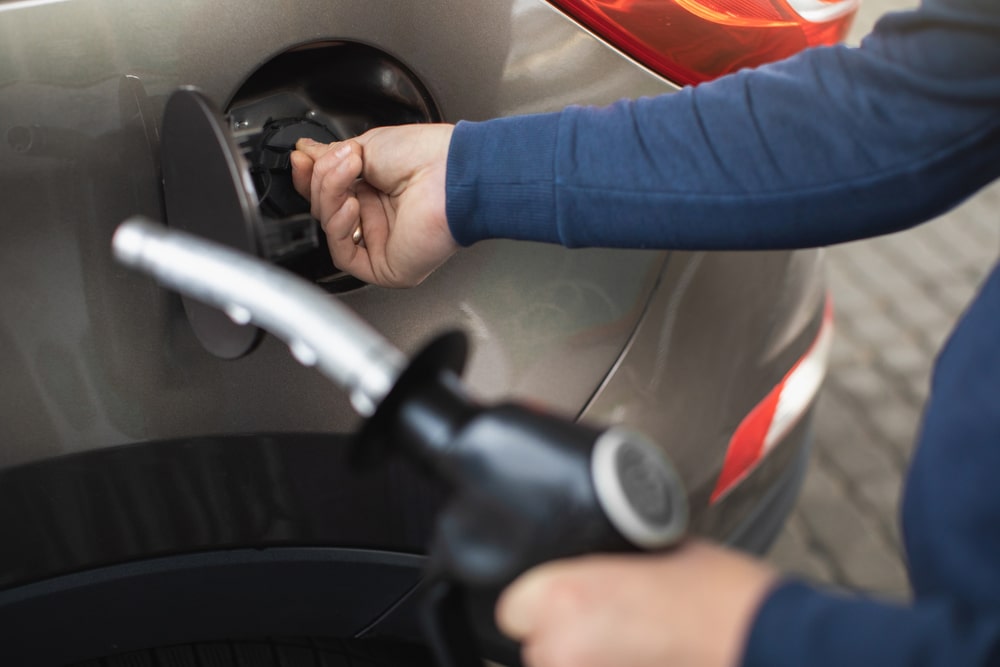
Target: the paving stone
(863, 383)
(981, 215)
(957, 294)
(848, 295)
(918, 390)
(875, 272)
(904, 359)
(971, 226)
(864, 560)
(913, 306)
(938, 242)
(843, 439)
(918, 311)
(954, 232)
(792, 554)
(897, 424)
(865, 466)
(934, 334)
(881, 501)
(929, 265)
(876, 329)
(847, 351)
(905, 368)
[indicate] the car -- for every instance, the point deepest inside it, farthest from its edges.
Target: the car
(175, 489)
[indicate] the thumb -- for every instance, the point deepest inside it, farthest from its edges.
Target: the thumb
(519, 608)
(302, 169)
(314, 149)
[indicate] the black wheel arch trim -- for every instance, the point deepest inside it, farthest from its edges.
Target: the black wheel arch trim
(233, 595)
(155, 499)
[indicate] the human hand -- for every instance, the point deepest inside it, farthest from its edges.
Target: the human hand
(691, 607)
(398, 203)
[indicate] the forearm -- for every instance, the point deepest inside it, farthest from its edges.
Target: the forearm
(832, 145)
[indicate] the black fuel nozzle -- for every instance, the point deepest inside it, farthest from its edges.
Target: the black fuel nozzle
(550, 486)
(527, 487)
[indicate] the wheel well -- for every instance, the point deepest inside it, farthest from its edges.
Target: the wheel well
(238, 595)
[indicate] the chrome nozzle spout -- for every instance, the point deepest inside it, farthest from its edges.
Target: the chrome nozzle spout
(318, 329)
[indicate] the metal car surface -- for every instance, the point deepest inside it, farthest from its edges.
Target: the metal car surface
(126, 444)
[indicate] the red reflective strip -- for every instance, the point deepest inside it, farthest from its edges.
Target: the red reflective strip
(747, 446)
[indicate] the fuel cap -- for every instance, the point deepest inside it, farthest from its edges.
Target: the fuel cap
(271, 164)
(208, 192)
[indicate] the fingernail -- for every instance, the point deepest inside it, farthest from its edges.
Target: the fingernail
(307, 141)
(343, 151)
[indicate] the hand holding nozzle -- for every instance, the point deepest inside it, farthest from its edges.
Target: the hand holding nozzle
(526, 487)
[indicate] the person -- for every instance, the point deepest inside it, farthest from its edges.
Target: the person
(831, 145)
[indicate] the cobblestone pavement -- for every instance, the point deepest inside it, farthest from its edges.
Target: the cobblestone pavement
(895, 299)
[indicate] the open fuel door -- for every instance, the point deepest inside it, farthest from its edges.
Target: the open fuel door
(230, 181)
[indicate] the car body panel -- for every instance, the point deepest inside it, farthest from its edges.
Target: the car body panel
(97, 356)
(720, 332)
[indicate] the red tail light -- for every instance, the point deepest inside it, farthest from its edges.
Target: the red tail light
(689, 41)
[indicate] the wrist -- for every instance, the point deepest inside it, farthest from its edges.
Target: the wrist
(500, 180)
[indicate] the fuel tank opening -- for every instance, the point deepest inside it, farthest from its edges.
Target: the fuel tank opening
(326, 91)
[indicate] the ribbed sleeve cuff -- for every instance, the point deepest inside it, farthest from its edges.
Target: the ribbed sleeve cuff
(500, 179)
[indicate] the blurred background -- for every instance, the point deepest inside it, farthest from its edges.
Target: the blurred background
(895, 299)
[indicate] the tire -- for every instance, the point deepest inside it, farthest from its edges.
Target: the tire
(312, 652)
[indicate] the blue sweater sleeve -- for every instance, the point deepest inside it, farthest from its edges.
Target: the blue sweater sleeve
(822, 629)
(832, 145)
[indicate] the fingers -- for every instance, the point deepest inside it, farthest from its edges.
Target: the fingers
(365, 211)
(340, 225)
(313, 149)
(333, 176)
(555, 615)
(396, 194)
(307, 153)
(519, 608)
(327, 175)
(375, 221)
(605, 611)
(302, 171)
